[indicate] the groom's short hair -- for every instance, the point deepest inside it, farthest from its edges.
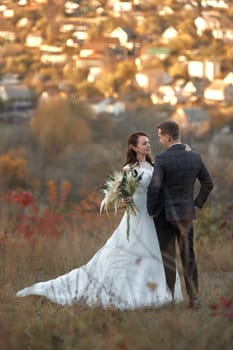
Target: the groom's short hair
(170, 128)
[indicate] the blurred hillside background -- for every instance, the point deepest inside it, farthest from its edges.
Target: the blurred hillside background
(76, 77)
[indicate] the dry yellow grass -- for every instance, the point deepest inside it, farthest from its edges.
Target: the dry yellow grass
(36, 323)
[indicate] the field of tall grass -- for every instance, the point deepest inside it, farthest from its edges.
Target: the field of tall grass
(39, 241)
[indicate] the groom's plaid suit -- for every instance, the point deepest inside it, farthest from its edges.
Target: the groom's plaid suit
(171, 203)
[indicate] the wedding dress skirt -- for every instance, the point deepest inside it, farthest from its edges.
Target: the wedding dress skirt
(125, 274)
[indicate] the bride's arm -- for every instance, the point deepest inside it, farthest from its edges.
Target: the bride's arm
(187, 147)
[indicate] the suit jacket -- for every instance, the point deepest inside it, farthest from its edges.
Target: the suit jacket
(172, 184)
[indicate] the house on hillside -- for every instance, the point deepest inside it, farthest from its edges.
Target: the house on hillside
(41, 1)
(150, 53)
(71, 7)
(105, 46)
(219, 91)
(9, 78)
(109, 105)
(66, 27)
(204, 69)
(51, 54)
(75, 30)
(51, 48)
(65, 90)
(225, 30)
(221, 4)
(125, 35)
(7, 31)
(8, 13)
(94, 73)
(164, 10)
(55, 59)
(220, 25)
(169, 34)
(92, 60)
(189, 89)
(22, 2)
(193, 120)
(150, 80)
(22, 22)
(180, 91)
(194, 88)
(164, 94)
(18, 96)
(229, 78)
(224, 33)
(96, 53)
(120, 7)
(34, 40)
(206, 22)
(81, 34)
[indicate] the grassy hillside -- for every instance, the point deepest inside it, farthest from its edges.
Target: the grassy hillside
(36, 323)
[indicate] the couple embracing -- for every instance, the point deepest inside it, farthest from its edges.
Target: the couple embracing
(141, 271)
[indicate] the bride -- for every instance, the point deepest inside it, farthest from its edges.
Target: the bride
(125, 274)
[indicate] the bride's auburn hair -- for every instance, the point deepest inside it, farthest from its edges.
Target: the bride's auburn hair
(131, 155)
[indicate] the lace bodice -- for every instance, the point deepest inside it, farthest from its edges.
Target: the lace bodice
(140, 195)
(146, 169)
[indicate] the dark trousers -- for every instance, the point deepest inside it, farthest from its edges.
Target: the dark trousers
(167, 234)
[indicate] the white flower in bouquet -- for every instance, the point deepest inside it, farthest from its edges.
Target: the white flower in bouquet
(120, 185)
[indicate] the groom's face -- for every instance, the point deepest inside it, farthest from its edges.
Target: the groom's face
(164, 139)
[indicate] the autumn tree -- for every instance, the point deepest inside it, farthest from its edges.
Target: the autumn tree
(73, 73)
(112, 81)
(88, 90)
(125, 73)
(153, 25)
(186, 41)
(14, 172)
(178, 70)
(59, 123)
(106, 83)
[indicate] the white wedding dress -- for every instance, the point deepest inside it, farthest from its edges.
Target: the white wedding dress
(126, 274)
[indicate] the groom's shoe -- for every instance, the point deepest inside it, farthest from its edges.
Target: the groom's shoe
(194, 302)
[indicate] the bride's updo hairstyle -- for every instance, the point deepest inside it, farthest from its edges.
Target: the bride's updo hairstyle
(131, 155)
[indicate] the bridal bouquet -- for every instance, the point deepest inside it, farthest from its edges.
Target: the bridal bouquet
(120, 185)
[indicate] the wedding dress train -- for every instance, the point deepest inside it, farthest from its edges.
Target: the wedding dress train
(125, 274)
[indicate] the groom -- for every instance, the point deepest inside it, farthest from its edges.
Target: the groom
(170, 202)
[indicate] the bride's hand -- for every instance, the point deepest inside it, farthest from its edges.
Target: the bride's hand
(127, 200)
(187, 147)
